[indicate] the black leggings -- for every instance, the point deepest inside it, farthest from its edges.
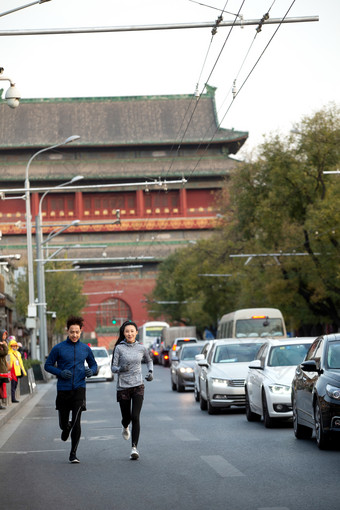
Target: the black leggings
(130, 409)
(64, 416)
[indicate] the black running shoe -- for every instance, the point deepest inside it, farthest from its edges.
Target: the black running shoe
(66, 432)
(73, 459)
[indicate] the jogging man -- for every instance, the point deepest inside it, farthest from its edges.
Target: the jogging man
(66, 361)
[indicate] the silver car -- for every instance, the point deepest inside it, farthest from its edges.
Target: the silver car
(182, 366)
(223, 373)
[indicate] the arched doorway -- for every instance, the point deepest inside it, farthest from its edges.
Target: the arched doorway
(112, 312)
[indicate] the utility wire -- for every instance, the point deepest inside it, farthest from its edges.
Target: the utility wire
(238, 92)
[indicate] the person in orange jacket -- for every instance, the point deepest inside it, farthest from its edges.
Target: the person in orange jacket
(17, 366)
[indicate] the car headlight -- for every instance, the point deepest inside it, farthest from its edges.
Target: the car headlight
(186, 370)
(333, 392)
(280, 389)
(221, 381)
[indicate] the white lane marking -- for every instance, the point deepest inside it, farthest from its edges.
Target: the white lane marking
(164, 418)
(102, 438)
(93, 421)
(221, 466)
(184, 435)
(33, 451)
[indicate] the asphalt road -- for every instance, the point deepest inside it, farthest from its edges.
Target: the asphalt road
(188, 459)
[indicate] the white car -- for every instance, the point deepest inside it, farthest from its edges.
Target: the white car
(269, 378)
(224, 371)
(103, 360)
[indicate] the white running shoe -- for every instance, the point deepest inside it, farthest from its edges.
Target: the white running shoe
(126, 433)
(134, 453)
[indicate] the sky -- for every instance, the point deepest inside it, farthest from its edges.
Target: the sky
(297, 74)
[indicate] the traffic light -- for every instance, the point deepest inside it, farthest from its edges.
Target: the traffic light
(114, 322)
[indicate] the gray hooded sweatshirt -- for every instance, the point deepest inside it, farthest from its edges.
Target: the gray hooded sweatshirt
(130, 356)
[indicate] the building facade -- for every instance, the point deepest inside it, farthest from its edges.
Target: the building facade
(154, 163)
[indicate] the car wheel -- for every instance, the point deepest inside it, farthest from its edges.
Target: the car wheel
(211, 409)
(300, 431)
(180, 387)
(196, 394)
(322, 439)
(203, 403)
(173, 386)
(249, 413)
(267, 420)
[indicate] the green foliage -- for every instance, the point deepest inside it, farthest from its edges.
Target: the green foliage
(284, 207)
(63, 296)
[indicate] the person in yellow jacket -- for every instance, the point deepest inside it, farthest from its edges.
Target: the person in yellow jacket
(17, 366)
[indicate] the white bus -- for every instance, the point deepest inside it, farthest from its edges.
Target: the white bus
(252, 322)
(150, 331)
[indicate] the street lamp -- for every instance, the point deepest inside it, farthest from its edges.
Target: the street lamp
(40, 270)
(31, 304)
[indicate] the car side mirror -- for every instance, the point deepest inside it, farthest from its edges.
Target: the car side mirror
(310, 366)
(256, 364)
(199, 357)
(203, 363)
(174, 358)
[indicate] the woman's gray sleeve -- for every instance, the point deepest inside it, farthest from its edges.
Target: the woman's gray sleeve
(115, 361)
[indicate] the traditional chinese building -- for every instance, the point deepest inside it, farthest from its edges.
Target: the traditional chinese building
(124, 141)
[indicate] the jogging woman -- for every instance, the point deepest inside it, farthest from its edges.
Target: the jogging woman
(127, 363)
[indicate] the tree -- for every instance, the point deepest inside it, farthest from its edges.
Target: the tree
(63, 295)
(283, 206)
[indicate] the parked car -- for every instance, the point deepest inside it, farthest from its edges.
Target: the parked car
(104, 360)
(177, 343)
(316, 392)
(268, 383)
(197, 368)
(182, 366)
(224, 371)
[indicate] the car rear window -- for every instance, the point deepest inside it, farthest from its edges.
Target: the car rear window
(183, 341)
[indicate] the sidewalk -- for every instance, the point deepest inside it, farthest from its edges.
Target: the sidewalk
(12, 409)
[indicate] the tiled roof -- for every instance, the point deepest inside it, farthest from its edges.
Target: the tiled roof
(115, 122)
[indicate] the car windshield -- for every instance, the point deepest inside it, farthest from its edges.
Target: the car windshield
(287, 355)
(100, 353)
(258, 327)
(333, 355)
(235, 353)
(189, 352)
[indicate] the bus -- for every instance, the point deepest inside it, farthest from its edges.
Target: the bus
(150, 331)
(252, 322)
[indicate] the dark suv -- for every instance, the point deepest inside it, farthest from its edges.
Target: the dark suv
(316, 392)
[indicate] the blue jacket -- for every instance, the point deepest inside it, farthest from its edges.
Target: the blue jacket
(71, 356)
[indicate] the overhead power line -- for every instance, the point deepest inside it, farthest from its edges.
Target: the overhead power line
(143, 28)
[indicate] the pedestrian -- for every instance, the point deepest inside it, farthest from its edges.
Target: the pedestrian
(16, 366)
(127, 360)
(4, 367)
(67, 361)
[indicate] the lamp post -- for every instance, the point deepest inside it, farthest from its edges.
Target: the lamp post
(41, 272)
(31, 313)
(41, 283)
